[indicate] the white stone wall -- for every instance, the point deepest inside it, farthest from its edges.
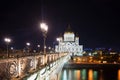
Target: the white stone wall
(69, 43)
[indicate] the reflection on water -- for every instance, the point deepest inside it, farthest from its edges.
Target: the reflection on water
(95, 74)
(101, 74)
(65, 75)
(83, 72)
(89, 74)
(78, 75)
(119, 74)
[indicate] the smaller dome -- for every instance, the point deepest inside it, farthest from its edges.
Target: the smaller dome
(77, 35)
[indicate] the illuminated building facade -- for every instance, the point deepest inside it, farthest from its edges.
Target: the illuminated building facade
(69, 43)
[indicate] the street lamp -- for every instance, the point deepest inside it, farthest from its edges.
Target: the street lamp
(38, 47)
(28, 44)
(7, 40)
(49, 48)
(11, 48)
(58, 39)
(44, 29)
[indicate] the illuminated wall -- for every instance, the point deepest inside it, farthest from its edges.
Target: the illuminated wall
(69, 43)
(68, 36)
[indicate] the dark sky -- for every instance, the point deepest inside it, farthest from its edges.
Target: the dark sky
(97, 22)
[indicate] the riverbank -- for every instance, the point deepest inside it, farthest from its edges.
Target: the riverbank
(76, 65)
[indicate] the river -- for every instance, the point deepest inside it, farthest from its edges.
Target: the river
(90, 74)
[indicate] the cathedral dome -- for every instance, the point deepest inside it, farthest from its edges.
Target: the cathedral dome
(69, 34)
(69, 30)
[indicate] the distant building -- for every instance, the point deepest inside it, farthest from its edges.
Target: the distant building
(69, 43)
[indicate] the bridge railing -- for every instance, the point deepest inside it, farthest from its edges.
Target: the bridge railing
(18, 67)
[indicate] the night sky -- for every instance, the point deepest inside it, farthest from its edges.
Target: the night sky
(96, 22)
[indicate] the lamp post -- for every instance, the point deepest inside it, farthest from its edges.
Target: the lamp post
(58, 39)
(49, 48)
(7, 40)
(44, 29)
(38, 47)
(28, 44)
(12, 49)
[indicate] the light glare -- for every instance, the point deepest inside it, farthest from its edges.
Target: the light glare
(28, 44)
(44, 26)
(8, 40)
(58, 39)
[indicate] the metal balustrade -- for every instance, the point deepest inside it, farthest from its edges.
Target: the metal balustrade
(20, 67)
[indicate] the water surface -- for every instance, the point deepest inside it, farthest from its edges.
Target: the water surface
(90, 74)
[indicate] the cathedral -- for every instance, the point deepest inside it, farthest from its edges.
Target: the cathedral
(69, 42)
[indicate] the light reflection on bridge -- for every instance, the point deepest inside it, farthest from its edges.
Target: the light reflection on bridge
(28, 67)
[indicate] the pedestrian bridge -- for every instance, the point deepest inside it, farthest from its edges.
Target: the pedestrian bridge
(37, 67)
